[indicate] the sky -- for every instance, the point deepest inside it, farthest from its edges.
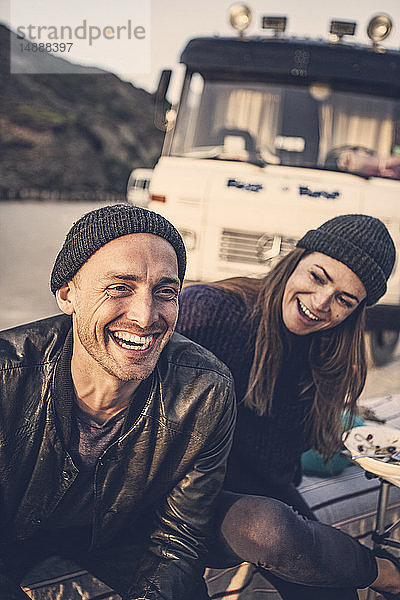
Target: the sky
(162, 28)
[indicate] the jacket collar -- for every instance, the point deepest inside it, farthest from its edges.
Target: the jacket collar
(64, 390)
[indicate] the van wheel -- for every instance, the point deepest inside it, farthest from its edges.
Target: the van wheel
(382, 344)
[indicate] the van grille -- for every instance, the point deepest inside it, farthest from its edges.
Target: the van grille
(253, 248)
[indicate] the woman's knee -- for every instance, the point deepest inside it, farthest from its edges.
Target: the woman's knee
(260, 530)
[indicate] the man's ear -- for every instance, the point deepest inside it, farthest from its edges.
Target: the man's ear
(64, 297)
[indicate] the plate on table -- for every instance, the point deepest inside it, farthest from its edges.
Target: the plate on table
(372, 447)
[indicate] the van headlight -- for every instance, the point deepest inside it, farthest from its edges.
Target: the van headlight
(379, 28)
(240, 17)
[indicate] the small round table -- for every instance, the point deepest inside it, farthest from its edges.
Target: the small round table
(362, 443)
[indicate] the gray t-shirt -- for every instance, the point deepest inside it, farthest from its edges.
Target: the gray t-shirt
(88, 441)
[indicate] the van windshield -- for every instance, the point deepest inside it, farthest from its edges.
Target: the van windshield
(299, 126)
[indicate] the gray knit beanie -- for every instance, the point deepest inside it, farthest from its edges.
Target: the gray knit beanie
(362, 243)
(100, 226)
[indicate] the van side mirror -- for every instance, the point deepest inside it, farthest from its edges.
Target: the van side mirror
(160, 103)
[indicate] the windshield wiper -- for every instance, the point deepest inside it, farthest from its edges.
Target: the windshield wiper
(259, 162)
(216, 153)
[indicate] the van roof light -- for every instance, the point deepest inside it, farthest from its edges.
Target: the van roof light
(340, 28)
(240, 17)
(379, 28)
(276, 24)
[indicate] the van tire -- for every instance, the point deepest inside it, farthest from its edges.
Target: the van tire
(381, 345)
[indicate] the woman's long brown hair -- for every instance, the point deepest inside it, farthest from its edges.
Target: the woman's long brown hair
(337, 356)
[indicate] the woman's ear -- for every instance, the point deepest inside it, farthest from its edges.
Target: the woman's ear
(64, 297)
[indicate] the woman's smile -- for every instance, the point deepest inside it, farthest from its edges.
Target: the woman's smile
(306, 312)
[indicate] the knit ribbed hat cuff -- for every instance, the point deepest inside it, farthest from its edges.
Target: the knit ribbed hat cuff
(343, 250)
(100, 226)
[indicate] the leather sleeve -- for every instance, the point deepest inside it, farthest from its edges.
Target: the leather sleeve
(173, 565)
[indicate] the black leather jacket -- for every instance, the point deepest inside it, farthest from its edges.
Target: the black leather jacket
(158, 481)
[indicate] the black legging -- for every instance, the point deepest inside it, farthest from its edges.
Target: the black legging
(303, 558)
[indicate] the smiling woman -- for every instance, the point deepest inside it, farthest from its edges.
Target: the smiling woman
(320, 294)
(294, 344)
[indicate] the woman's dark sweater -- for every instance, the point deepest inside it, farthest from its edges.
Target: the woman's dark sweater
(266, 451)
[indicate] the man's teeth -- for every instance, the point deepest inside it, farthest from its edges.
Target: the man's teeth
(131, 340)
(308, 312)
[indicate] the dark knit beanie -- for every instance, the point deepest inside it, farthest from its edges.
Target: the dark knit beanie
(362, 243)
(100, 226)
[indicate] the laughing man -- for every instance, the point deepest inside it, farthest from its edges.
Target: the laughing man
(114, 430)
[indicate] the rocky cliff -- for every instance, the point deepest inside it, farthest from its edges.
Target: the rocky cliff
(72, 132)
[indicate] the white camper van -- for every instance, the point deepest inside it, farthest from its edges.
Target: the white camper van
(274, 135)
